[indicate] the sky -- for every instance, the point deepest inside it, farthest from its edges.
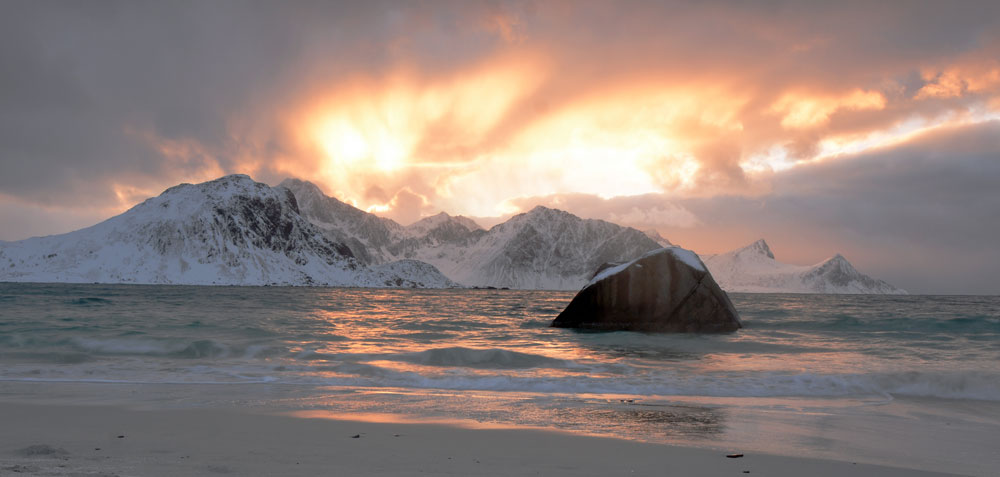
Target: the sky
(870, 129)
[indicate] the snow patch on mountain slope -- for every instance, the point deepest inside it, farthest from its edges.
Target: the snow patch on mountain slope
(541, 249)
(367, 235)
(412, 274)
(230, 231)
(552, 249)
(753, 269)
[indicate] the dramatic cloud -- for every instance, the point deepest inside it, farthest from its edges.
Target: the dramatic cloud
(928, 205)
(655, 113)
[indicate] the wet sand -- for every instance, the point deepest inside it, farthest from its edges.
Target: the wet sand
(84, 440)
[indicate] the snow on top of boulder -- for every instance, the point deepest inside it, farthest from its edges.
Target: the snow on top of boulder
(607, 272)
(688, 257)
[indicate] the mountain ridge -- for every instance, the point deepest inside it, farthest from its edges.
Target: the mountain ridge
(754, 269)
(228, 231)
(542, 248)
(234, 230)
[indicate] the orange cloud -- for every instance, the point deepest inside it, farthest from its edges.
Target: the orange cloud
(967, 76)
(805, 111)
(543, 108)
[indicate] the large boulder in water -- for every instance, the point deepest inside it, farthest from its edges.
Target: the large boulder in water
(666, 290)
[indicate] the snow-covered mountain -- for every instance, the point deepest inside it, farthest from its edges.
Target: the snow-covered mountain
(442, 226)
(541, 249)
(377, 240)
(231, 231)
(753, 269)
(367, 235)
(234, 231)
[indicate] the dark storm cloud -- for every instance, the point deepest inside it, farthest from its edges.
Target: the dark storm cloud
(81, 80)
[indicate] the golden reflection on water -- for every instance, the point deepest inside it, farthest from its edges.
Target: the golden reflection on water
(369, 325)
(657, 419)
(370, 321)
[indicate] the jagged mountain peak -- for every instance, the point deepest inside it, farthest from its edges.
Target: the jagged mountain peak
(221, 188)
(440, 219)
(759, 248)
(837, 273)
(237, 194)
(541, 248)
(836, 262)
(754, 269)
(538, 214)
(301, 186)
(306, 192)
(232, 230)
(239, 180)
(543, 211)
(551, 222)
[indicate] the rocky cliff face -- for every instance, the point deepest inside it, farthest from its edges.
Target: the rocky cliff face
(367, 236)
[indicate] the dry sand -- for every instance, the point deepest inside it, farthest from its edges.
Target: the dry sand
(105, 441)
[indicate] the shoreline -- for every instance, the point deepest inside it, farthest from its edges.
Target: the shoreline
(60, 439)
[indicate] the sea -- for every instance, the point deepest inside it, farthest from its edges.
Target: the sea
(910, 381)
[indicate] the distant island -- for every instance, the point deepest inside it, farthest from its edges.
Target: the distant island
(235, 231)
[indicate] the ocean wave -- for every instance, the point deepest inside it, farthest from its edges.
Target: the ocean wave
(176, 348)
(972, 385)
(466, 369)
(492, 358)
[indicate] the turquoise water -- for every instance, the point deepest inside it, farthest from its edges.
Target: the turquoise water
(489, 357)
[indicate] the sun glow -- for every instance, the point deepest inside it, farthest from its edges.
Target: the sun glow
(455, 135)
(476, 140)
(366, 140)
(343, 142)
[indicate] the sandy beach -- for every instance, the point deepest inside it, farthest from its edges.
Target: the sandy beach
(114, 440)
